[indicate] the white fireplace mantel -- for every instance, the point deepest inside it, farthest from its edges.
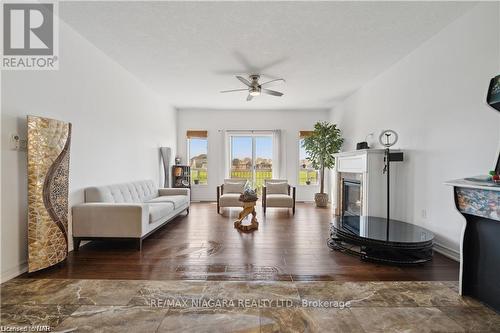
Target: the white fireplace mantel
(368, 166)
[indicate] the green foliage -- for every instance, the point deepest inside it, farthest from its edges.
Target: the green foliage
(325, 141)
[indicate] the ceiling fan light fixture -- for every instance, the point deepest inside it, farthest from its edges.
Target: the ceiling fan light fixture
(254, 88)
(255, 92)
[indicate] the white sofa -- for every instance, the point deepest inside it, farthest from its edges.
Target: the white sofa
(126, 211)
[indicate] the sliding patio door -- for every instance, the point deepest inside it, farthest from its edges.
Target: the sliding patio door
(251, 157)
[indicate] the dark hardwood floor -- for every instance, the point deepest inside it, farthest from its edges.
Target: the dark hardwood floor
(205, 246)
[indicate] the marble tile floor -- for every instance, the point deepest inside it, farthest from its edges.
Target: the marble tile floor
(65, 305)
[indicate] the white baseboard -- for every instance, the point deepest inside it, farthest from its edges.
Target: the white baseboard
(14, 271)
(447, 252)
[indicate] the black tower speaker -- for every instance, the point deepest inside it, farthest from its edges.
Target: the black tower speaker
(497, 168)
(493, 98)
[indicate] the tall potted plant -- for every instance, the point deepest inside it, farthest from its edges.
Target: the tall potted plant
(325, 141)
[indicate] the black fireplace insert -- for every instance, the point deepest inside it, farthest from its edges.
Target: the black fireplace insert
(351, 197)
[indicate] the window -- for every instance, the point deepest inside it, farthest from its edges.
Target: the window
(251, 157)
(307, 174)
(197, 143)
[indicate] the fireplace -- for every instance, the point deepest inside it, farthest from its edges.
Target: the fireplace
(360, 185)
(351, 197)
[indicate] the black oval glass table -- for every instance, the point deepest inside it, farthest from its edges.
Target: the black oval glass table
(381, 240)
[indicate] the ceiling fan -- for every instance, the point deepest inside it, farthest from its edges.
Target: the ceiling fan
(255, 88)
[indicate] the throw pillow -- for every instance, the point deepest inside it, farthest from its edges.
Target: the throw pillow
(234, 187)
(277, 188)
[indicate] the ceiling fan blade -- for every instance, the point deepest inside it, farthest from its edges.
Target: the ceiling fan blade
(245, 81)
(274, 81)
(249, 98)
(226, 91)
(271, 92)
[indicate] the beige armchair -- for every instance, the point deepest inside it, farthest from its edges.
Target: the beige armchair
(228, 194)
(277, 193)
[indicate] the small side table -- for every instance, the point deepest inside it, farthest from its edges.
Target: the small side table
(248, 208)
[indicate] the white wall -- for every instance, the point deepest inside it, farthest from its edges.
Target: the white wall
(435, 99)
(289, 121)
(118, 125)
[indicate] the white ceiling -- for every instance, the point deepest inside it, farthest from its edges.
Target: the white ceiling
(188, 52)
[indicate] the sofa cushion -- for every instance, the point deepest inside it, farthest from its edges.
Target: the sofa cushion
(236, 187)
(279, 200)
(176, 200)
(133, 192)
(159, 210)
(277, 188)
(230, 200)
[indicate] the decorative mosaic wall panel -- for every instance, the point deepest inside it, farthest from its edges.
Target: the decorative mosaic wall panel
(483, 203)
(48, 173)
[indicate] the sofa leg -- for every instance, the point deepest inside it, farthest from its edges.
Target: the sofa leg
(293, 210)
(187, 211)
(139, 244)
(76, 243)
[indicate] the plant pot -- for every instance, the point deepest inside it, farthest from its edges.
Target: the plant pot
(196, 181)
(308, 182)
(321, 199)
